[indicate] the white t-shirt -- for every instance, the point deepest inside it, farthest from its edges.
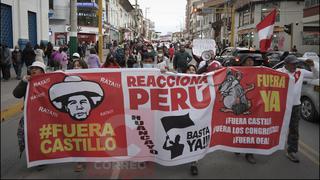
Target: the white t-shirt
(162, 65)
(298, 76)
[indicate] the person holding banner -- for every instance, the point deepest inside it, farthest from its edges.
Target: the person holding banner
(248, 60)
(192, 69)
(36, 68)
(291, 69)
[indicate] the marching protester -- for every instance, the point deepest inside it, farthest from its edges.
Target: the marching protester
(39, 53)
(163, 61)
(128, 57)
(17, 61)
(37, 68)
(48, 53)
(93, 60)
(248, 60)
(207, 62)
(291, 69)
(28, 55)
(77, 62)
(64, 58)
(171, 52)
(5, 62)
(110, 62)
(148, 60)
(181, 60)
(56, 59)
(192, 69)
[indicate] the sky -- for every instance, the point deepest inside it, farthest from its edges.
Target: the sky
(168, 15)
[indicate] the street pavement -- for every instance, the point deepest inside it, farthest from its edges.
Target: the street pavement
(216, 165)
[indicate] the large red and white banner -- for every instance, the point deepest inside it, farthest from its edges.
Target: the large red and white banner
(104, 115)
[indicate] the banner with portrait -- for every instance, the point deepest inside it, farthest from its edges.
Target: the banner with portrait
(108, 115)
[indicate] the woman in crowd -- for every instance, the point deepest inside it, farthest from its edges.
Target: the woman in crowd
(110, 62)
(93, 60)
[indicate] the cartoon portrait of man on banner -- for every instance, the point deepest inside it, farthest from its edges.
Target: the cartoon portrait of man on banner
(76, 97)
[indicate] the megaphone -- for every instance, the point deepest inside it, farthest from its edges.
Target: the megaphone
(206, 55)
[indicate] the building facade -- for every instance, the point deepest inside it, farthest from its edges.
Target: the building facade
(311, 30)
(87, 15)
(233, 22)
(23, 21)
(248, 15)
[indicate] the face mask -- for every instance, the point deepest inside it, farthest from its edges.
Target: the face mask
(160, 55)
(147, 65)
(16, 49)
(149, 50)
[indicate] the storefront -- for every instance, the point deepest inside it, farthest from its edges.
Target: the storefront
(60, 38)
(88, 38)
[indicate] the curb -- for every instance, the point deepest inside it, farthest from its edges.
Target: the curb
(11, 111)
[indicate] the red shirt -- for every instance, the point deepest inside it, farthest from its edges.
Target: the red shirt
(171, 52)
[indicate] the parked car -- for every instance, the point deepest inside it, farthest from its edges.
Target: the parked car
(231, 56)
(274, 57)
(309, 93)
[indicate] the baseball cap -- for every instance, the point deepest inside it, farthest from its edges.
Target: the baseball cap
(77, 55)
(291, 59)
(39, 64)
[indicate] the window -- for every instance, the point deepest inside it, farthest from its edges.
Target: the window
(311, 3)
(50, 4)
(246, 16)
(87, 18)
(266, 8)
(310, 36)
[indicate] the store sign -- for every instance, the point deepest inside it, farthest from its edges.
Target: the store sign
(68, 28)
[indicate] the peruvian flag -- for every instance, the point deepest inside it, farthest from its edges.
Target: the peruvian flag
(265, 30)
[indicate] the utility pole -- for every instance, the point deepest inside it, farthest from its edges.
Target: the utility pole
(100, 31)
(136, 18)
(225, 25)
(232, 26)
(73, 27)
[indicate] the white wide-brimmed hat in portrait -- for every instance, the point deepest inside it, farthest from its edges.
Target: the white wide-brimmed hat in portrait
(76, 96)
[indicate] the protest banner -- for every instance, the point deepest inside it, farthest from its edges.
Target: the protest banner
(201, 45)
(110, 115)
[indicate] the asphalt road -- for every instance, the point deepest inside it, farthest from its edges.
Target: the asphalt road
(217, 165)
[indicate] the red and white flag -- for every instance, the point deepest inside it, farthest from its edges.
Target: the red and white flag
(265, 30)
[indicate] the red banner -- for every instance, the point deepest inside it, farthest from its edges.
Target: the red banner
(143, 115)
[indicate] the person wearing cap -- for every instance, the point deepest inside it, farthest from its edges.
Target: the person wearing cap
(290, 68)
(77, 62)
(36, 68)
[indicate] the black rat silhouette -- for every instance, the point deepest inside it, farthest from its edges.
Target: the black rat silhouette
(234, 95)
(76, 97)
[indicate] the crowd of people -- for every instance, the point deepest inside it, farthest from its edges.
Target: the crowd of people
(128, 55)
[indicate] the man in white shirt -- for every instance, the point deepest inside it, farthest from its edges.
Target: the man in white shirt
(291, 69)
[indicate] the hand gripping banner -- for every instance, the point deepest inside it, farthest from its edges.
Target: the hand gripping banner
(108, 115)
